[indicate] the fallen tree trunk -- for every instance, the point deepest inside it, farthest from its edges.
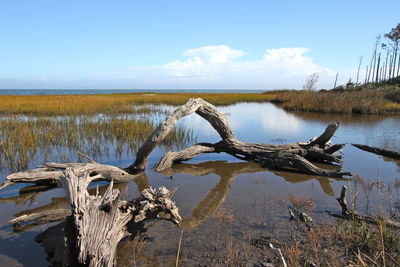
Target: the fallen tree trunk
(379, 151)
(96, 224)
(350, 214)
(295, 156)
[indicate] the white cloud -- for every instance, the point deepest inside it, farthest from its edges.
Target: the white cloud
(207, 67)
(221, 67)
(214, 54)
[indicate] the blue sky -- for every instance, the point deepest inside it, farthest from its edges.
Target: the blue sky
(186, 44)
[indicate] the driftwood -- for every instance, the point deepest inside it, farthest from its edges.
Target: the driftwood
(379, 151)
(296, 156)
(96, 224)
(350, 214)
(227, 171)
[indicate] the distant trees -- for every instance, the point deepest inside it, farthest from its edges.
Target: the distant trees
(394, 38)
(385, 60)
(311, 82)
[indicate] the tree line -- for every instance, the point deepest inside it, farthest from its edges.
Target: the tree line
(384, 65)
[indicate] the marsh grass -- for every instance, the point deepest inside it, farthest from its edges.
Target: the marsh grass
(27, 139)
(52, 105)
(377, 101)
(302, 203)
(351, 242)
(348, 243)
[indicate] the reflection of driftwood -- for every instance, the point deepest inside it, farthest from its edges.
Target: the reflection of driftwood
(97, 223)
(291, 156)
(227, 173)
(216, 197)
(353, 215)
(379, 151)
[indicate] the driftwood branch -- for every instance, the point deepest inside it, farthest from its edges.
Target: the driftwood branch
(379, 151)
(51, 173)
(294, 157)
(350, 214)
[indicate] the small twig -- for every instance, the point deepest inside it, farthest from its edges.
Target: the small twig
(179, 250)
(87, 157)
(279, 253)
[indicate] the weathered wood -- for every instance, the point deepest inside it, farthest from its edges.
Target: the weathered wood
(52, 172)
(292, 156)
(296, 156)
(97, 223)
(289, 156)
(350, 214)
(379, 151)
(195, 105)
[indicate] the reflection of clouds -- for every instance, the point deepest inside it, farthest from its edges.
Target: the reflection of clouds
(248, 122)
(278, 120)
(200, 127)
(265, 116)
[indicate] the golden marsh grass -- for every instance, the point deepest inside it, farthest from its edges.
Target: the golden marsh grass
(39, 139)
(351, 101)
(111, 103)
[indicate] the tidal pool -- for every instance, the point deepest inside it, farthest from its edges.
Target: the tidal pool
(215, 186)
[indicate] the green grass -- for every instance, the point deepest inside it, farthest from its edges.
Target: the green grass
(39, 139)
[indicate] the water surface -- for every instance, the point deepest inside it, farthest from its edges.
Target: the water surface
(255, 197)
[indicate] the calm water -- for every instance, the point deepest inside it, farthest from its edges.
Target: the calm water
(255, 197)
(112, 91)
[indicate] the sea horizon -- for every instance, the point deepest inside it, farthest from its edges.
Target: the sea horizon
(117, 91)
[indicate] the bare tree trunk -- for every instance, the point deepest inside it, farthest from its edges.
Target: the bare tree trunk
(337, 74)
(358, 70)
(386, 62)
(395, 60)
(390, 68)
(398, 61)
(377, 68)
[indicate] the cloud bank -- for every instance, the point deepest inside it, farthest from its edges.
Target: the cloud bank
(206, 67)
(222, 67)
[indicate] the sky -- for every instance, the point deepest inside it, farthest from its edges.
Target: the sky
(127, 44)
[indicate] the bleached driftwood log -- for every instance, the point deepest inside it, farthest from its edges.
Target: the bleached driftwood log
(96, 224)
(295, 156)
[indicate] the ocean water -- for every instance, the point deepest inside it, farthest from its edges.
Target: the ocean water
(112, 91)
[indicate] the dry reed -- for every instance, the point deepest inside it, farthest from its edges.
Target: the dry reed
(363, 101)
(111, 103)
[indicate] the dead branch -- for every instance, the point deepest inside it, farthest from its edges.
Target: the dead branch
(350, 214)
(379, 151)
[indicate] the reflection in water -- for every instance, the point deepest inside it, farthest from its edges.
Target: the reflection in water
(227, 173)
(215, 198)
(251, 122)
(27, 195)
